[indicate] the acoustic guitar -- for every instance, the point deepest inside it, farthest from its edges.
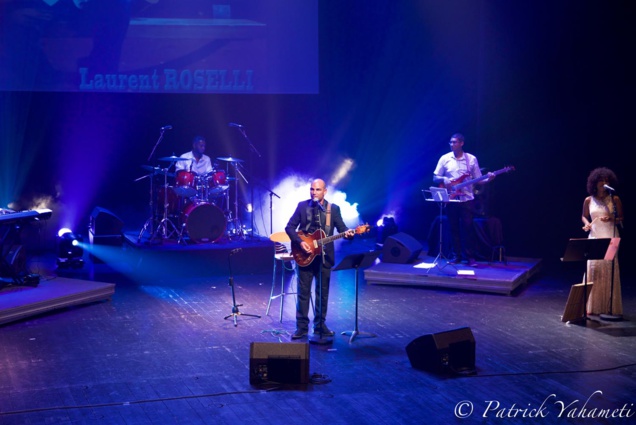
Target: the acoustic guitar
(316, 241)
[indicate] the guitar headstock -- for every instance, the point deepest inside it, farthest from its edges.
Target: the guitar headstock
(363, 228)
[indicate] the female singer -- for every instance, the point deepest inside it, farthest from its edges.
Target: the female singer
(602, 214)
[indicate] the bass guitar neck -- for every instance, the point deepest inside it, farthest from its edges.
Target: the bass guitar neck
(454, 189)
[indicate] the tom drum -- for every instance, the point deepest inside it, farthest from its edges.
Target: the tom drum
(184, 183)
(217, 184)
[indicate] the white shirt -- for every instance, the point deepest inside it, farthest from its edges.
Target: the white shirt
(200, 167)
(454, 168)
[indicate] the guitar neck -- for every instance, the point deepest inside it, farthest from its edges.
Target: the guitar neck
(329, 239)
(478, 179)
(469, 182)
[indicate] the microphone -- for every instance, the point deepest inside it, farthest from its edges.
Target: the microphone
(233, 124)
(318, 203)
(611, 189)
(166, 127)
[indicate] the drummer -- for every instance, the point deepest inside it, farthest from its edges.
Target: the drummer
(198, 162)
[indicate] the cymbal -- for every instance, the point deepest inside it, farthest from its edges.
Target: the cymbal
(173, 158)
(229, 159)
(157, 170)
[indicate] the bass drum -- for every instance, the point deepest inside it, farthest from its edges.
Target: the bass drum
(204, 222)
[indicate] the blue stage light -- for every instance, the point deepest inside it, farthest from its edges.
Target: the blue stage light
(70, 252)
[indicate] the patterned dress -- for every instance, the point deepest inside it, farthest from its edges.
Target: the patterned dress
(599, 272)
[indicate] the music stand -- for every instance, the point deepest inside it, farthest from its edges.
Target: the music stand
(439, 195)
(584, 249)
(357, 262)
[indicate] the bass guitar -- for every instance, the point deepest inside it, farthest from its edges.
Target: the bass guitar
(455, 186)
(316, 241)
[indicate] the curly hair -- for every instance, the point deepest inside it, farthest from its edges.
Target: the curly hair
(598, 174)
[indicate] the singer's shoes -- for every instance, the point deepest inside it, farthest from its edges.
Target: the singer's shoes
(325, 331)
(299, 334)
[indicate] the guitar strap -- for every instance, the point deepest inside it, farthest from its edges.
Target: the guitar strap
(328, 219)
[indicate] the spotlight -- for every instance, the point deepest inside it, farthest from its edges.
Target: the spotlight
(386, 228)
(69, 250)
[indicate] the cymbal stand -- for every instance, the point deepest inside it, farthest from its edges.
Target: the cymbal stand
(150, 223)
(235, 307)
(238, 230)
(226, 198)
(165, 223)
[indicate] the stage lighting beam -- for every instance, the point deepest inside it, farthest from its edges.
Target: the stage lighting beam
(69, 250)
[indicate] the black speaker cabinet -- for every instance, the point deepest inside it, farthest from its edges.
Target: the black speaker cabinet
(14, 261)
(279, 363)
(104, 222)
(444, 352)
(401, 248)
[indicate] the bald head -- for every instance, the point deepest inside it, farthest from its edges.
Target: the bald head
(318, 190)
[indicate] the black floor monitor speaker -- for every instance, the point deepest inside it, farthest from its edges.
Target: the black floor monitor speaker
(444, 352)
(401, 248)
(279, 363)
(104, 222)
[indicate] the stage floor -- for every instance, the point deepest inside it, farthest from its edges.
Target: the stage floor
(492, 277)
(161, 350)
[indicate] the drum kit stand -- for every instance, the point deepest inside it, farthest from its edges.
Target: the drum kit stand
(196, 206)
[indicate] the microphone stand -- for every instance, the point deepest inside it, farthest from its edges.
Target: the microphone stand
(271, 207)
(235, 307)
(253, 150)
(152, 221)
(611, 316)
(320, 338)
(162, 130)
(271, 217)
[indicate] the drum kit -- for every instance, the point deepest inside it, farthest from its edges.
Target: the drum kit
(193, 206)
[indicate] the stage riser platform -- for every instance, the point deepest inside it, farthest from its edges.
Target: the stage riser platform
(255, 260)
(194, 260)
(20, 302)
(496, 278)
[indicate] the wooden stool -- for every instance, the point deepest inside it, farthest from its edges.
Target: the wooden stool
(287, 263)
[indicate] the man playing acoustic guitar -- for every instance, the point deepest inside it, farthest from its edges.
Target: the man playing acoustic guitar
(452, 169)
(314, 259)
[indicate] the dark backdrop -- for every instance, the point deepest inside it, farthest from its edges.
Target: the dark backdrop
(545, 86)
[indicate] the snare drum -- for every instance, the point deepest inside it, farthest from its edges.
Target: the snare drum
(184, 185)
(204, 222)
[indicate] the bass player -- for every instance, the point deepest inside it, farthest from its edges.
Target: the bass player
(453, 168)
